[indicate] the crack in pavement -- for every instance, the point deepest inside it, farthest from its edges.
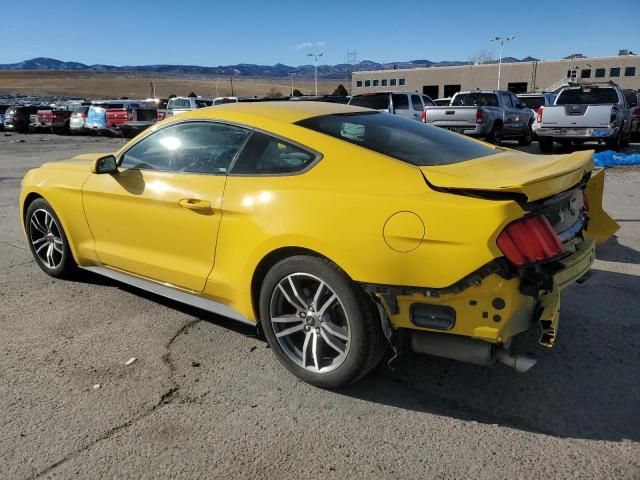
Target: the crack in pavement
(17, 265)
(166, 398)
(12, 245)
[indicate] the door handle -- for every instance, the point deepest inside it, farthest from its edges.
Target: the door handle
(195, 204)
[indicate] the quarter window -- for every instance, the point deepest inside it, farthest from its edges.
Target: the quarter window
(265, 155)
(193, 147)
(630, 71)
(614, 72)
(600, 72)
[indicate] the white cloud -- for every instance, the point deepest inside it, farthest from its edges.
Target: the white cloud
(320, 43)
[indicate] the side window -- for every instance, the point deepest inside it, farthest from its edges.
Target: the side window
(416, 103)
(400, 101)
(515, 101)
(506, 100)
(267, 155)
(193, 147)
(427, 101)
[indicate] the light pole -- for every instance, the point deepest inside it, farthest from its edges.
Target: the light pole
(316, 56)
(292, 75)
(502, 41)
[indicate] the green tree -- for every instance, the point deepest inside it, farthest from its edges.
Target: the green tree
(340, 91)
(297, 93)
(192, 95)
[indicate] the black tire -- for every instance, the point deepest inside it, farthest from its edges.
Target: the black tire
(545, 144)
(495, 136)
(614, 143)
(527, 138)
(63, 264)
(367, 342)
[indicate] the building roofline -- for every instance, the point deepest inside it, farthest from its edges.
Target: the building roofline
(480, 65)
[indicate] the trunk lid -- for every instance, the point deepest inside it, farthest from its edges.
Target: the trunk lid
(576, 115)
(534, 176)
(452, 116)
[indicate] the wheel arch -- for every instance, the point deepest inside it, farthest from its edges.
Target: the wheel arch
(28, 200)
(268, 261)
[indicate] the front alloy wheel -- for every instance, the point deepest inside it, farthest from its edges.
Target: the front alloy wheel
(47, 239)
(320, 324)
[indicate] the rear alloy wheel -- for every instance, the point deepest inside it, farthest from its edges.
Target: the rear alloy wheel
(545, 144)
(47, 240)
(320, 324)
(527, 138)
(495, 136)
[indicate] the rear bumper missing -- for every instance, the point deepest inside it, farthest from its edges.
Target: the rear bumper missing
(489, 311)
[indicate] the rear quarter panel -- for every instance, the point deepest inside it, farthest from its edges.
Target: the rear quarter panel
(339, 209)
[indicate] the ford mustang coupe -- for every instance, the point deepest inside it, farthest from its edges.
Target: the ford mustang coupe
(341, 231)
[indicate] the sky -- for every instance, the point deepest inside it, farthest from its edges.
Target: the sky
(211, 33)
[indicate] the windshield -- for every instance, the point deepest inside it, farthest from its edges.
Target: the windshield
(179, 104)
(203, 103)
(475, 100)
(586, 96)
(377, 101)
(398, 137)
(532, 102)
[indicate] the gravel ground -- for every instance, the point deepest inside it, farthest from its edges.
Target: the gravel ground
(206, 398)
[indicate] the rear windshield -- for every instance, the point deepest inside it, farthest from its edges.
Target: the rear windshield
(398, 137)
(203, 103)
(475, 100)
(532, 102)
(179, 103)
(377, 101)
(587, 96)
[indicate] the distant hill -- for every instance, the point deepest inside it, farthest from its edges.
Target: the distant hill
(278, 70)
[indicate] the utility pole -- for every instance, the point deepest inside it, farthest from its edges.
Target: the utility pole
(292, 75)
(502, 41)
(351, 62)
(316, 56)
(231, 78)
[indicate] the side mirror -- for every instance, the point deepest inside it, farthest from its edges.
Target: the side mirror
(106, 164)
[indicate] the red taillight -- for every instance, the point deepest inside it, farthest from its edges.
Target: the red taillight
(529, 240)
(160, 116)
(479, 115)
(539, 112)
(424, 116)
(83, 115)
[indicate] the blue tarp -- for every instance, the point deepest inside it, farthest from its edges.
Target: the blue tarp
(609, 158)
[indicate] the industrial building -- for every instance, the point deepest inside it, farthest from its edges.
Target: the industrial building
(518, 77)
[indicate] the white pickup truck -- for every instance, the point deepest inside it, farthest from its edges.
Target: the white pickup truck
(584, 113)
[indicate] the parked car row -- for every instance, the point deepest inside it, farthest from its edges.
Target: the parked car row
(123, 117)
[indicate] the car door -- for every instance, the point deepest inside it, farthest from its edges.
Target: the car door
(522, 115)
(158, 217)
(418, 107)
(510, 117)
(401, 105)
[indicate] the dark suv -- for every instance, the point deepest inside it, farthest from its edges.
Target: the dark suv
(17, 117)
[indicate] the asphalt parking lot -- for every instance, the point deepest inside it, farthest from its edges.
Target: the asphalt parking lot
(207, 399)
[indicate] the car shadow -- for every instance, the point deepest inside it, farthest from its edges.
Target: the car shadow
(614, 251)
(587, 386)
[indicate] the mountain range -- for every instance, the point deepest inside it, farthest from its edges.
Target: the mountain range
(340, 70)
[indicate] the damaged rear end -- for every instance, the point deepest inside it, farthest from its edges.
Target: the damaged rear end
(547, 249)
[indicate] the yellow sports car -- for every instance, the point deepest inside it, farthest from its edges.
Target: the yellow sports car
(341, 231)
